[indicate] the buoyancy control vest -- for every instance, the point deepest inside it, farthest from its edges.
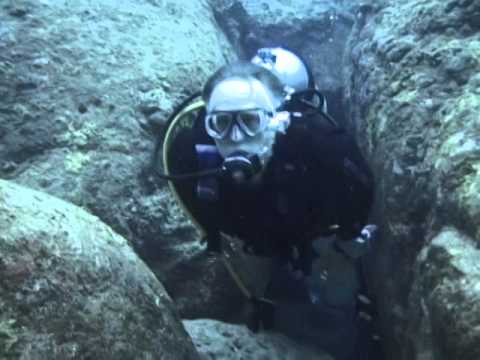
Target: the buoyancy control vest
(296, 188)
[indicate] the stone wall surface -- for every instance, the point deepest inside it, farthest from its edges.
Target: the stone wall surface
(413, 94)
(445, 299)
(221, 341)
(84, 85)
(71, 288)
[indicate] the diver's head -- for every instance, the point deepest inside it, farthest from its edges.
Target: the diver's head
(241, 116)
(294, 74)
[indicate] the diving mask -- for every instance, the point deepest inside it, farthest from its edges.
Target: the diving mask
(221, 124)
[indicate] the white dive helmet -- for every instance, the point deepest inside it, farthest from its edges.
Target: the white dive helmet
(287, 66)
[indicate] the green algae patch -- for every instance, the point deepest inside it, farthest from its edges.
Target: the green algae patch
(75, 161)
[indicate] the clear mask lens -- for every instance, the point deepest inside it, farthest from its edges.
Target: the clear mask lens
(221, 122)
(251, 122)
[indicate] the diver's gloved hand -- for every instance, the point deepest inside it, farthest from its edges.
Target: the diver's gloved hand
(360, 245)
(369, 232)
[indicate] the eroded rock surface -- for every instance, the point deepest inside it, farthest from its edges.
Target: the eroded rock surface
(446, 299)
(84, 84)
(70, 288)
(83, 87)
(221, 341)
(203, 286)
(414, 96)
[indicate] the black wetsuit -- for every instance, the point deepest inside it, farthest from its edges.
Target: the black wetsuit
(315, 182)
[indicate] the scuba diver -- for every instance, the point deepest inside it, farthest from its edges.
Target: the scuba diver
(259, 158)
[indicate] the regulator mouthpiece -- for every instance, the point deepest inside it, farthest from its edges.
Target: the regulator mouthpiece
(241, 166)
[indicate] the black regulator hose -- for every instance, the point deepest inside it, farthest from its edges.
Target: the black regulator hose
(327, 117)
(300, 96)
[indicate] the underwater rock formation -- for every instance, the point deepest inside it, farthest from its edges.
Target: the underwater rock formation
(73, 289)
(413, 93)
(221, 341)
(202, 286)
(445, 299)
(83, 87)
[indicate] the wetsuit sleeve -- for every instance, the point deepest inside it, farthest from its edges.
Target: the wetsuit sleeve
(206, 213)
(345, 172)
(360, 182)
(184, 160)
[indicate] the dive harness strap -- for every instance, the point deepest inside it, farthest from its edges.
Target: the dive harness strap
(319, 108)
(263, 309)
